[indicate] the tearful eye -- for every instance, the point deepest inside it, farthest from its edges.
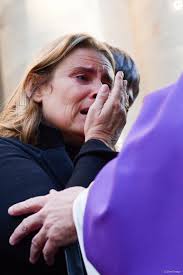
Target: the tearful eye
(82, 77)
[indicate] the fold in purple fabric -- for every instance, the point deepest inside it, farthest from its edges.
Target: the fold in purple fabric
(133, 223)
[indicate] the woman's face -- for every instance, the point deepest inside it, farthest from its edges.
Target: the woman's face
(72, 90)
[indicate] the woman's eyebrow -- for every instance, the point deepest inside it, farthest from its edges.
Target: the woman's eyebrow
(92, 70)
(85, 69)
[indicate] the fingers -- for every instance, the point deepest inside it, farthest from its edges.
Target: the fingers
(38, 242)
(125, 97)
(50, 251)
(118, 98)
(28, 206)
(120, 89)
(101, 98)
(42, 244)
(27, 226)
(46, 244)
(118, 86)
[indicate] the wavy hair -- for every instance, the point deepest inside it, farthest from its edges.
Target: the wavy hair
(21, 116)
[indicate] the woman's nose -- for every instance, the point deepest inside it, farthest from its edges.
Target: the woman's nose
(94, 90)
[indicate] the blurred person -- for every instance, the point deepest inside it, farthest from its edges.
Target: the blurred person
(52, 138)
(129, 221)
(125, 63)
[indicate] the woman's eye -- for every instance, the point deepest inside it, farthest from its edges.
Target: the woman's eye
(82, 77)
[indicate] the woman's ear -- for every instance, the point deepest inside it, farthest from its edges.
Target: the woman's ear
(38, 95)
(36, 86)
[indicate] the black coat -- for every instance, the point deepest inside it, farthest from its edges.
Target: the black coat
(27, 171)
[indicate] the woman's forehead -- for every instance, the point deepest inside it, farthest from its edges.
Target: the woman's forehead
(88, 58)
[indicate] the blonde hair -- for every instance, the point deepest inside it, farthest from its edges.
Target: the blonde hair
(21, 116)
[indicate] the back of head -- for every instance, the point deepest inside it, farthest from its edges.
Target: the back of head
(21, 116)
(124, 63)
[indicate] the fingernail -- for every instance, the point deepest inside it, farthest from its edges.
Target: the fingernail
(121, 74)
(104, 89)
(10, 210)
(12, 241)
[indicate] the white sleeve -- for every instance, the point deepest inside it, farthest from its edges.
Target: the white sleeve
(78, 215)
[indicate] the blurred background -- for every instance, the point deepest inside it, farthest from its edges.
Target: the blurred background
(151, 31)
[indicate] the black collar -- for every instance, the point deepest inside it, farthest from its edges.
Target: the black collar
(49, 137)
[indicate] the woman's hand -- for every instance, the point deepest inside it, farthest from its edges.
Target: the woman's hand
(53, 216)
(107, 115)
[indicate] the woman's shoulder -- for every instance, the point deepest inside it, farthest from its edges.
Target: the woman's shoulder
(10, 146)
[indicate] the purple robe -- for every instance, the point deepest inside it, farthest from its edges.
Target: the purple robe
(133, 222)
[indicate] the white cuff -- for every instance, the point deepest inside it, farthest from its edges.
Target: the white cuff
(78, 215)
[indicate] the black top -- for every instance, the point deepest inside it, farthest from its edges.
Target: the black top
(27, 171)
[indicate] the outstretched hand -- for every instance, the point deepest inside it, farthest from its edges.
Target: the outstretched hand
(53, 216)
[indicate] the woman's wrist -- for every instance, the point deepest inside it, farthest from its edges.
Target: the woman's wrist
(105, 141)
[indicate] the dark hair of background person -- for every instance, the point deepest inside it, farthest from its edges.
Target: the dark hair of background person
(123, 62)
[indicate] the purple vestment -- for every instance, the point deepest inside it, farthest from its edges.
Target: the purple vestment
(133, 223)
